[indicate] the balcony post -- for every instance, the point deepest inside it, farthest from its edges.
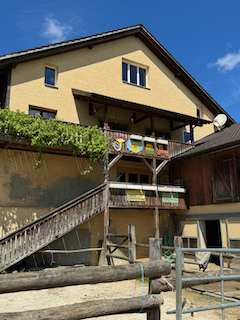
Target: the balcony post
(106, 178)
(156, 213)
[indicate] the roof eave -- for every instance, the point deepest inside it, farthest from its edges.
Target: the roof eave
(209, 150)
(137, 107)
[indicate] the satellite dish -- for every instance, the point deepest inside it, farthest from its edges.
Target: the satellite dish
(220, 120)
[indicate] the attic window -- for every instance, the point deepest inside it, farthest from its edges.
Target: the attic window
(199, 113)
(134, 74)
(50, 76)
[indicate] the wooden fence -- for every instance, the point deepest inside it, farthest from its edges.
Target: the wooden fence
(87, 275)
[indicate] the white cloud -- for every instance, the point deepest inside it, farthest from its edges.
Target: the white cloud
(54, 31)
(228, 62)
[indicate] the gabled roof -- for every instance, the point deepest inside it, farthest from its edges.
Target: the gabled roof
(222, 139)
(139, 31)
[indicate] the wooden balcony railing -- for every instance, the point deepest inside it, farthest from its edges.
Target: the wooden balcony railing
(142, 146)
(129, 195)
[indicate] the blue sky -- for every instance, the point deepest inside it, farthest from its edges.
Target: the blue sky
(202, 35)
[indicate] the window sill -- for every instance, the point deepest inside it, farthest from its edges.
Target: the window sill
(135, 85)
(50, 86)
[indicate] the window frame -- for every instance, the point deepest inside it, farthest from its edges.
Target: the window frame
(198, 109)
(41, 110)
(187, 131)
(126, 173)
(55, 76)
(129, 64)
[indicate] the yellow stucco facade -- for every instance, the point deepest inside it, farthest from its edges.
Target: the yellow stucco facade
(99, 70)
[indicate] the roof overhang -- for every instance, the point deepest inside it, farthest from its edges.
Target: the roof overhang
(137, 107)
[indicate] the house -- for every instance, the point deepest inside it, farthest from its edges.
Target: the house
(211, 171)
(149, 106)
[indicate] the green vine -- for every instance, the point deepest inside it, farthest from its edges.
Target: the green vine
(43, 133)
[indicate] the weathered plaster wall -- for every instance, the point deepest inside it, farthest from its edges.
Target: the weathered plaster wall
(26, 193)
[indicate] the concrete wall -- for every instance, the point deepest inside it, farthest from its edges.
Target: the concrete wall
(99, 70)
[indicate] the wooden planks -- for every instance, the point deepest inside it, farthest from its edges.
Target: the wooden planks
(22, 243)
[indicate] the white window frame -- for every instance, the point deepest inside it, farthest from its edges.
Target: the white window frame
(55, 76)
(138, 77)
(200, 112)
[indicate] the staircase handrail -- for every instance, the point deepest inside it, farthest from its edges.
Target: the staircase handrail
(55, 211)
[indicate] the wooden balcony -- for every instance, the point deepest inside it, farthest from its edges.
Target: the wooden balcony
(146, 196)
(142, 146)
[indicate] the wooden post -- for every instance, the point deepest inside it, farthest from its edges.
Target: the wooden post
(156, 213)
(155, 253)
(131, 243)
(106, 223)
(106, 178)
(191, 134)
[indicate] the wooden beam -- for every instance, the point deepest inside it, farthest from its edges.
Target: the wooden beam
(89, 309)
(71, 251)
(140, 119)
(147, 164)
(52, 278)
(114, 160)
(161, 166)
(95, 109)
(178, 127)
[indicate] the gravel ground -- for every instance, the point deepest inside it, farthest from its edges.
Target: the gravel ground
(39, 299)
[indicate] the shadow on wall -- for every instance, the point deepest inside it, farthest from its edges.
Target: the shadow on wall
(22, 192)
(74, 240)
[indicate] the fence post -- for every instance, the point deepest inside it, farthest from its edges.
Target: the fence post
(131, 243)
(155, 253)
(178, 243)
(178, 283)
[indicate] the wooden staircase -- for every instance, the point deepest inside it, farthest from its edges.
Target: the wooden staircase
(38, 234)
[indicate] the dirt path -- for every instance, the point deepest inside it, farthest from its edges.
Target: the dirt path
(47, 298)
(39, 299)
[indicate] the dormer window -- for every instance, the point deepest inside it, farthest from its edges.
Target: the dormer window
(134, 74)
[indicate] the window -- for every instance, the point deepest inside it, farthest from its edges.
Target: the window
(199, 113)
(134, 74)
(45, 113)
(114, 126)
(132, 177)
(158, 134)
(186, 136)
(50, 76)
(189, 242)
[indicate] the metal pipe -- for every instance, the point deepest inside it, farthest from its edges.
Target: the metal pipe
(178, 283)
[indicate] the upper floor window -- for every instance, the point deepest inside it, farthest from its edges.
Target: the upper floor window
(199, 113)
(50, 76)
(134, 74)
(44, 113)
